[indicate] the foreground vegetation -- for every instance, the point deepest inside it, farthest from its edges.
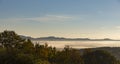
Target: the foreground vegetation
(15, 50)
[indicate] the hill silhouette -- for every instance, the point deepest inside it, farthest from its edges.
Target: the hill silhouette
(53, 38)
(113, 50)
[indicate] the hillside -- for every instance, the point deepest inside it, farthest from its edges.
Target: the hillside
(53, 38)
(113, 50)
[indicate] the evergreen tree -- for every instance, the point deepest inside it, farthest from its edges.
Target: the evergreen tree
(10, 39)
(99, 57)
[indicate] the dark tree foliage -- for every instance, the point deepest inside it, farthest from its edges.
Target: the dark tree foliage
(15, 50)
(10, 39)
(27, 47)
(98, 57)
(69, 56)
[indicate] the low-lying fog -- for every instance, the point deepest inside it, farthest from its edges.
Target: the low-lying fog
(80, 44)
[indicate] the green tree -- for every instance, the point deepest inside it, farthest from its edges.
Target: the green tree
(99, 57)
(28, 47)
(10, 39)
(42, 51)
(39, 61)
(68, 56)
(24, 59)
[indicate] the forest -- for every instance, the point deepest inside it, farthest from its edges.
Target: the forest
(16, 50)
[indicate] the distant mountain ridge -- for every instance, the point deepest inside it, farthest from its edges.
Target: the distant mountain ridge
(53, 38)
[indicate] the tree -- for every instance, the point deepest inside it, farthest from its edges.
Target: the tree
(10, 39)
(69, 56)
(42, 51)
(28, 47)
(99, 57)
(24, 59)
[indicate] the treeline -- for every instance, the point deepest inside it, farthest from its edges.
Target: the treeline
(15, 50)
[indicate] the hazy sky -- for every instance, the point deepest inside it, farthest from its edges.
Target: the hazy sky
(62, 18)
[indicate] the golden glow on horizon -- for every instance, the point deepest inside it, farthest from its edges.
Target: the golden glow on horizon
(92, 36)
(73, 33)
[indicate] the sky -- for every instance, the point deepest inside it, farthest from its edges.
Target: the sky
(62, 18)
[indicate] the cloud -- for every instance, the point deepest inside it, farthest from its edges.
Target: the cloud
(51, 18)
(46, 18)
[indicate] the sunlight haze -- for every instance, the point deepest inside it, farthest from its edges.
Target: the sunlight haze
(62, 18)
